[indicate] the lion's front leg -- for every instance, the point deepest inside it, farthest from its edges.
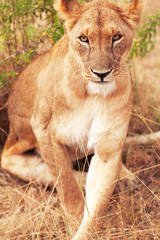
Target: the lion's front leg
(69, 190)
(58, 162)
(101, 179)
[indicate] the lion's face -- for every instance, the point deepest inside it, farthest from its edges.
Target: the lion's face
(100, 36)
(101, 43)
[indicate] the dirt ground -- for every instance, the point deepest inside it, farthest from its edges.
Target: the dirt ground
(29, 211)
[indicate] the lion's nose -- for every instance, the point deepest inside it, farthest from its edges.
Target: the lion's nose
(102, 75)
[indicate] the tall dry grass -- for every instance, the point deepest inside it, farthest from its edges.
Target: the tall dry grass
(29, 211)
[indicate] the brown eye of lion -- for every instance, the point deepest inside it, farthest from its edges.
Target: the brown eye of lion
(83, 39)
(116, 37)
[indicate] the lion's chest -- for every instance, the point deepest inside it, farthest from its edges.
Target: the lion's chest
(83, 127)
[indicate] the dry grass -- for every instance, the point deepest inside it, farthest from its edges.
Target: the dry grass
(29, 211)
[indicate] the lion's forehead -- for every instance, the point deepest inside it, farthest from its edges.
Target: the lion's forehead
(99, 20)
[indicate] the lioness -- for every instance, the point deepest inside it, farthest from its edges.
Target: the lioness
(74, 100)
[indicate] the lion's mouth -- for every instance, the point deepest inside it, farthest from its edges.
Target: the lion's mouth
(101, 82)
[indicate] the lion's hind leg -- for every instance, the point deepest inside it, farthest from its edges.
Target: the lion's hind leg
(28, 166)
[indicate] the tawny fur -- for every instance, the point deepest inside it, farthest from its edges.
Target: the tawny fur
(63, 107)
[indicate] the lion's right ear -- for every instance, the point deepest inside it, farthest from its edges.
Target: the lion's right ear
(69, 10)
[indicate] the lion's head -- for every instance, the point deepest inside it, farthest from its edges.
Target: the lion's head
(100, 35)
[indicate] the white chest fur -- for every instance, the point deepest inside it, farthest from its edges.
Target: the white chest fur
(101, 89)
(83, 126)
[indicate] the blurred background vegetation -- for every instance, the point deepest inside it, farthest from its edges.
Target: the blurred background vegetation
(24, 24)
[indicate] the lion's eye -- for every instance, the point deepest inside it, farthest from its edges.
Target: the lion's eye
(116, 37)
(83, 39)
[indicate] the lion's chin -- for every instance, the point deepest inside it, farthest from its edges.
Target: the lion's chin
(104, 88)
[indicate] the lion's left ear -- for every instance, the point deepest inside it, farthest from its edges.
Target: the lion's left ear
(133, 12)
(68, 10)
